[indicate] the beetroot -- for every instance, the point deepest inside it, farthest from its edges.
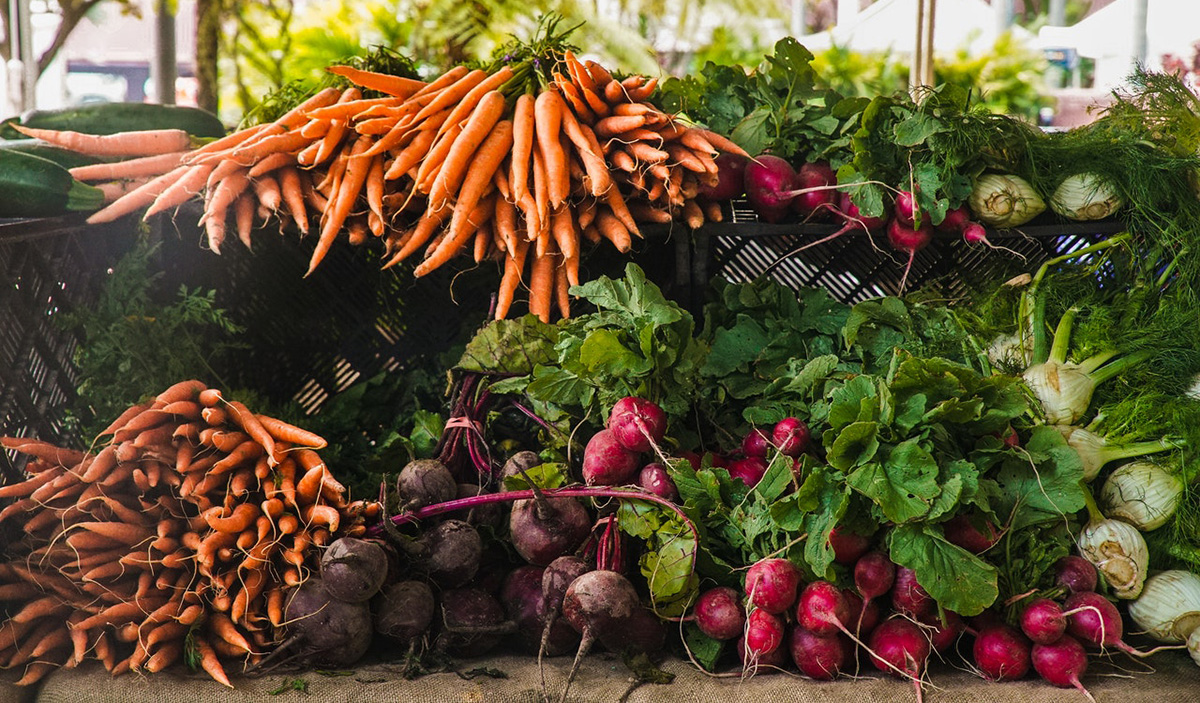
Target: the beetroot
(521, 597)
(1075, 574)
(1002, 653)
(756, 443)
(353, 569)
(908, 596)
(960, 531)
(790, 436)
(750, 470)
(1043, 622)
(899, 647)
(764, 633)
(490, 514)
(543, 532)
(425, 482)
(598, 604)
(559, 576)
(719, 613)
(1061, 663)
(324, 632)
(404, 610)
(1093, 619)
(637, 424)
(606, 462)
(655, 479)
(822, 610)
(905, 210)
(472, 622)
(819, 657)
(731, 170)
(452, 553)
(756, 663)
(771, 584)
(643, 632)
(521, 461)
(847, 546)
(769, 181)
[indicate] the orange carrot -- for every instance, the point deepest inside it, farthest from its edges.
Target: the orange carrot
(151, 142)
(547, 110)
(275, 606)
(643, 91)
(427, 171)
(411, 155)
(426, 226)
(463, 151)
(137, 198)
(357, 168)
(223, 197)
(247, 451)
(616, 203)
(247, 154)
(721, 143)
(240, 415)
(541, 286)
(243, 213)
(613, 230)
(589, 152)
(132, 168)
(523, 126)
(285, 432)
(396, 86)
(208, 660)
(374, 190)
(321, 515)
(469, 101)
(295, 117)
(293, 197)
(514, 263)
(541, 196)
(451, 94)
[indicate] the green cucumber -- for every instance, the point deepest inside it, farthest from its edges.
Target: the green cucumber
(63, 157)
(110, 118)
(31, 186)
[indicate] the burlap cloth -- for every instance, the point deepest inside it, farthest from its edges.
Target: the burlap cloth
(602, 679)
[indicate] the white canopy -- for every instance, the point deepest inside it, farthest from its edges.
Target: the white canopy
(891, 25)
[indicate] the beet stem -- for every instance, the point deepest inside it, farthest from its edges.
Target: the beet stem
(584, 645)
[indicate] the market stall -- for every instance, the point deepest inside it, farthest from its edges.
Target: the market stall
(738, 382)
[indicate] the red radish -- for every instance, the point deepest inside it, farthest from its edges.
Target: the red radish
(769, 181)
(697, 461)
(960, 531)
(905, 210)
(822, 610)
(954, 220)
(815, 189)
(874, 574)
(750, 469)
(847, 546)
(771, 584)
(791, 436)
(1075, 574)
(1002, 653)
(752, 662)
(655, 479)
(943, 632)
(908, 596)
(819, 657)
(1062, 663)
(719, 613)
(910, 241)
(1043, 621)
(756, 443)
(637, 423)
(864, 614)
(975, 233)
(764, 633)
(606, 462)
(1094, 619)
(852, 220)
(899, 647)
(731, 170)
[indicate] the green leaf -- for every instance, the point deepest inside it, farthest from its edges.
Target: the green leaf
(705, 650)
(556, 385)
(544, 476)
(736, 347)
(603, 352)
(955, 578)
(510, 347)
(853, 402)
(426, 432)
(1041, 482)
(903, 486)
(855, 444)
(776, 479)
(917, 128)
(751, 132)
(832, 500)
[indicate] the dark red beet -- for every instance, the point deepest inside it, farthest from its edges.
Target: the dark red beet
(847, 546)
(750, 469)
(768, 181)
(472, 622)
(943, 633)
(601, 602)
(815, 175)
(542, 539)
(719, 613)
(909, 241)
(425, 482)
(521, 461)
(864, 615)
(771, 584)
(1062, 663)
(491, 514)
(453, 550)
(819, 657)
(905, 209)
(353, 569)
(791, 436)
(1002, 653)
(908, 596)
(756, 443)
(644, 632)
(521, 596)
(1075, 574)
(874, 574)
(954, 220)
(404, 610)
(558, 576)
(655, 479)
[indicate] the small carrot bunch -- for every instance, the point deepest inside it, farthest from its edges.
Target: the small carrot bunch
(177, 538)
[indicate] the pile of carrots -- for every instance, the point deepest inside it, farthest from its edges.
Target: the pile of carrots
(178, 538)
(522, 162)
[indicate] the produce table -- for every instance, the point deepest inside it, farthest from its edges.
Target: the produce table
(604, 678)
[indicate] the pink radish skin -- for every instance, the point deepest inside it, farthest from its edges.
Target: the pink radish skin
(852, 220)
(791, 436)
(944, 633)
(864, 614)
(606, 462)
(655, 479)
(822, 610)
(1043, 621)
(905, 210)
(817, 174)
(750, 470)
(1002, 653)
(847, 546)
(756, 443)
(764, 633)
(1062, 663)
(757, 663)
(874, 574)
(908, 596)
(771, 585)
(955, 220)
(959, 531)
(769, 181)
(731, 173)
(1093, 619)
(1076, 574)
(819, 657)
(899, 644)
(909, 241)
(637, 424)
(719, 613)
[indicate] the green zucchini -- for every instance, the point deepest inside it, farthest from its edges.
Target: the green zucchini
(110, 118)
(31, 186)
(63, 157)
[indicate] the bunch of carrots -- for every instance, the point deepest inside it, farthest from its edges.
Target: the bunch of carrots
(521, 162)
(177, 539)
